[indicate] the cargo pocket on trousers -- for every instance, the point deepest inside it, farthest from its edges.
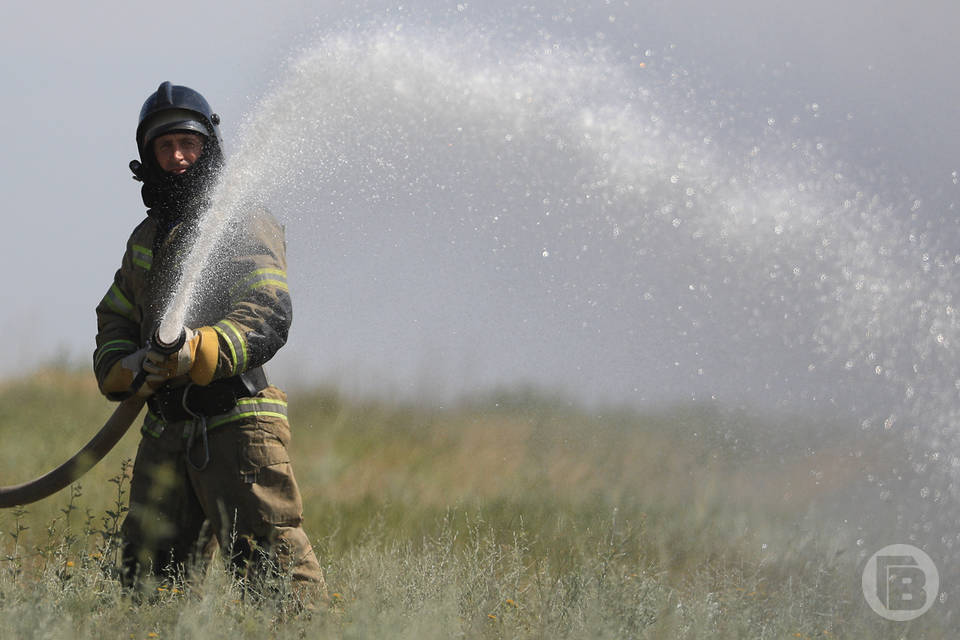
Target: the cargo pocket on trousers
(265, 469)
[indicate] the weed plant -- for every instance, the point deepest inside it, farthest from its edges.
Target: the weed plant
(507, 517)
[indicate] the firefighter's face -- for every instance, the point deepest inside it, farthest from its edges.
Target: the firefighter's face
(176, 151)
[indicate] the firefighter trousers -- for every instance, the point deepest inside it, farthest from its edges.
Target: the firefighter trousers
(245, 499)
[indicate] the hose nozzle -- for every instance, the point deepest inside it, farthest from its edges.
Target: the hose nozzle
(168, 348)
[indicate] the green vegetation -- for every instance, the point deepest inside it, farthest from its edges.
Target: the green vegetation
(515, 516)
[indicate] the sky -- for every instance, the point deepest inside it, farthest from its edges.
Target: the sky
(874, 81)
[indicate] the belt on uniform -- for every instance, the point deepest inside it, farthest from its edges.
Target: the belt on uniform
(191, 400)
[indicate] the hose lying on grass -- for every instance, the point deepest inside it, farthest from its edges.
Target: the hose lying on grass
(84, 460)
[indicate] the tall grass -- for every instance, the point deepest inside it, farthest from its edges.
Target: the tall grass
(515, 516)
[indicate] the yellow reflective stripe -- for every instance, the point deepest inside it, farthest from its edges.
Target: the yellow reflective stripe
(281, 404)
(242, 361)
(240, 416)
(113, 345)
(117, 296)
(264, 283)
(233, 354)
(238, 346)
(251, 407)
(118, 302)
(153, 425)
(260, 278)
(142, 256)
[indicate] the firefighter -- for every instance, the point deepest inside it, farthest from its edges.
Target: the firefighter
(212, 466)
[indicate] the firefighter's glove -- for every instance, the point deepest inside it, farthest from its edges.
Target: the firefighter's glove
(196, 358)
(122, 373)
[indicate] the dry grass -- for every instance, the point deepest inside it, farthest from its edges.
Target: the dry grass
(515, 517)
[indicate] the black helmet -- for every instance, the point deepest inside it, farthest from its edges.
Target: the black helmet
(174, 108)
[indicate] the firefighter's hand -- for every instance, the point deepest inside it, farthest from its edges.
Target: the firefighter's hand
(197, 357)
(161, 367)
(123, 372)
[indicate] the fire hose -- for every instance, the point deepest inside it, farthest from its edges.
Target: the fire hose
(92, 452)
(71, 470)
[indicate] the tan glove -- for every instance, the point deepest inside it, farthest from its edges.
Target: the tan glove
(197, 357)
(122, 373)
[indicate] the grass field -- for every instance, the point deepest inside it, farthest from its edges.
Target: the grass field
(510, 516)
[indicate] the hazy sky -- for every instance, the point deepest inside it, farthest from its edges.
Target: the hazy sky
(74, 76)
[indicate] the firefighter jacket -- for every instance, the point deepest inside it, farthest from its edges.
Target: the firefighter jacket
(241, 293)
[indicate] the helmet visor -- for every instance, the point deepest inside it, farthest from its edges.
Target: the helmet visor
(171, 120)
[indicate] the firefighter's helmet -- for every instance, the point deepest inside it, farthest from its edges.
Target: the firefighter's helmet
(174, 108)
